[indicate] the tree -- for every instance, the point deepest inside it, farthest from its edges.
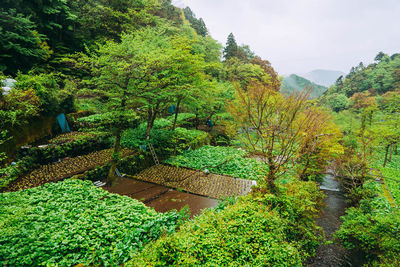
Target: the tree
(21, 45)
(53, 18)
(197, 24)
(271, 125)
(337, 102)
(147, 71)
(243, 74)
(339, 83)
(231, 47)
(267, 67)
(379, 56)
(244, 53)
(319, 146)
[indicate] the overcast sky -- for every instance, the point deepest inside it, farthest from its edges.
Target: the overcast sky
(298, 36)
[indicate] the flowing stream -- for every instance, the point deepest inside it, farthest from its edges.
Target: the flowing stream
(335, 206)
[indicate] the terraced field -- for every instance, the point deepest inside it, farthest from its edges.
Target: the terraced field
(211, 185)
(67, 167)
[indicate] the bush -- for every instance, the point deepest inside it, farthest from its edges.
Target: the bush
(73, 222)
(183, 120)
(372, 228)
(166, 141)
(259, 230)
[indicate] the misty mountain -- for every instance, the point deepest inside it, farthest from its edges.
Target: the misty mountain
(323, 77)
(296, 83)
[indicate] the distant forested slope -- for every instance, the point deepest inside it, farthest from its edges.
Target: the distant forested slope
(295, 83)
(323, 77)
(377, 80)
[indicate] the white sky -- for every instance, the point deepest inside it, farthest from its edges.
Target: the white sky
(298, 36)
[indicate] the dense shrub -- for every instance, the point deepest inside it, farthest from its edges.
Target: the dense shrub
(184, 119)
(165, 140)
(373, 228)
(259, 230)
(73, 222)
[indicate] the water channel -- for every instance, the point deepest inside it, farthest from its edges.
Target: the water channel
(335, 206)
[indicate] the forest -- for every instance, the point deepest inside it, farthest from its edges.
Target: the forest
(100, 97)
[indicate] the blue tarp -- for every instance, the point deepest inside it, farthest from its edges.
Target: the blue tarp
(62, 121)
(172, 109)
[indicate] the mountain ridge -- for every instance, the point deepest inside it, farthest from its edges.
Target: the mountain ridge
(296, 83)
(322, 76)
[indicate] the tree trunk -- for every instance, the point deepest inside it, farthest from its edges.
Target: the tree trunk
(197, 121)
(117, 147)
(150, 120)
(271, 174)
(391, 152)
(271, 182)
(176, 113)
(149, 124)
(386, 154)
(303, 175)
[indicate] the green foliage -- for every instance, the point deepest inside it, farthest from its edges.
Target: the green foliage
(183, 120)
(379, 77)
(32, 96)
(244, 74)
(231, 47)
(197, 24)
(221, 160)
(391, 171)
(165, 140)
(3, 139)
(373, 228)
(20, 44)
(73, 222)
(337, 102)
(260, 230)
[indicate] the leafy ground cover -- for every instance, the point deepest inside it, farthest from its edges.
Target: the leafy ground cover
(392, 172)
(221, 160)
(259, 230)
(73, 222)
(393, 181)
(73, 136)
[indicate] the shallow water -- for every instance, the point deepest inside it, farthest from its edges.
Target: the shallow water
(161, 198)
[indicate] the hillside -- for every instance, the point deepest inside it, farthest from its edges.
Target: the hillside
(377, 81)
(297, 83)
(323, 77)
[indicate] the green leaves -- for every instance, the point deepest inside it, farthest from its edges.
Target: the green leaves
(227, 160)
(252, 232)
(73, 222)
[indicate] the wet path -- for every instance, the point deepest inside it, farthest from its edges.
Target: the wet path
(161, 198)
(333, 254)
